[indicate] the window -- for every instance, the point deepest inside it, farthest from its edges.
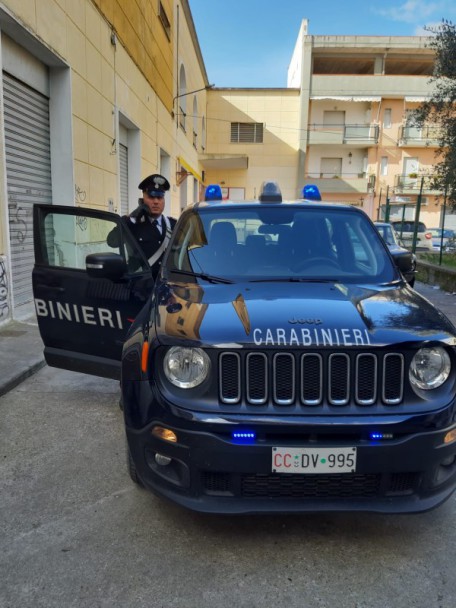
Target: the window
(69, 239)
(203, 134)
(387, 118)
(330, 167)
(182, 97)
(164, 20)
(247, 132)
(195, 123)
(384, 166)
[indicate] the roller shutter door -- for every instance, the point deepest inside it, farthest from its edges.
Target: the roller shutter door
(123, 167)
(28, 170)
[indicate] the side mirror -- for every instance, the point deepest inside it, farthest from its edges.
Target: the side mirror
(106, 266)
(403, 260)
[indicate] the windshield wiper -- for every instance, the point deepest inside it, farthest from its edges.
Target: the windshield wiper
(294, 280)
(202, 275)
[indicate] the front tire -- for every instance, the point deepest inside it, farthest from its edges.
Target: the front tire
(132, 469)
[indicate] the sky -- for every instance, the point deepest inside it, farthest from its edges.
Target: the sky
(249, 43)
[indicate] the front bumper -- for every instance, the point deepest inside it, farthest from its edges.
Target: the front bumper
(208, 472)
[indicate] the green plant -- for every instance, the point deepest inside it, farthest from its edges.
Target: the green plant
(448, 259)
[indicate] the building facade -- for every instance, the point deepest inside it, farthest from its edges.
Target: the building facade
(96, 94)
(344, 124)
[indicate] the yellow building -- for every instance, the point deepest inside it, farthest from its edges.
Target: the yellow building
(97, 94)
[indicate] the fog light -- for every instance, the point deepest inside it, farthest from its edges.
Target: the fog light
(162, 460)
(450, 436)
(165, 434)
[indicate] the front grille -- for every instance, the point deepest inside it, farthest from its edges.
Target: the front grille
(311, 486)
(311, 379)
(347, 485)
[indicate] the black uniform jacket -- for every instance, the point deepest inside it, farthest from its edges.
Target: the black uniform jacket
(148, 236)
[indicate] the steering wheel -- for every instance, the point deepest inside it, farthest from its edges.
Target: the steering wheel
(302, 264)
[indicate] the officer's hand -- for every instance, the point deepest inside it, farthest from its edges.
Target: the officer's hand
(141, 211)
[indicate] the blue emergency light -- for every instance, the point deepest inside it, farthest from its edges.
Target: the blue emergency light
(213, 193)
(270, 192)
(310, 192)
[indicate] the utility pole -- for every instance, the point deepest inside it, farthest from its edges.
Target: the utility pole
(417, 216)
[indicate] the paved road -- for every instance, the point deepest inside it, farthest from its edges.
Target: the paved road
(77, 533)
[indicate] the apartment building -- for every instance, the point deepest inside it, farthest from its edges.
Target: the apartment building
(344, 124)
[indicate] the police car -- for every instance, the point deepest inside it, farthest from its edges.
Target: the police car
(280, 362)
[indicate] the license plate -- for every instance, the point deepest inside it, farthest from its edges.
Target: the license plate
(313, 460)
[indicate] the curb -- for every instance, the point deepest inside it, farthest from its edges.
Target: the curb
(10, 383)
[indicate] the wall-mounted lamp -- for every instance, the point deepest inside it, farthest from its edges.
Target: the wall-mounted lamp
(350, 158)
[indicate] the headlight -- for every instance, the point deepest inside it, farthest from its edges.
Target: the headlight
(430, 368)
(186, 367)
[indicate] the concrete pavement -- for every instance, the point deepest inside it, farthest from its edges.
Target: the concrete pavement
(21, 348)
(21, 353)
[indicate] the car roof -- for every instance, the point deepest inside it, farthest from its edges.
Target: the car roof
(255, 203)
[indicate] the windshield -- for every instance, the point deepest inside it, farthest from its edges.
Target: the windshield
(278, 242)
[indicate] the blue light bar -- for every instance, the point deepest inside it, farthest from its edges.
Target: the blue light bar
(378, 436)
(243, 436)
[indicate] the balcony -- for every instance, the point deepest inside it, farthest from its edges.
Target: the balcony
(416, 137)
(411, 184)
(362, 135)
(345, 183)
(378, 84)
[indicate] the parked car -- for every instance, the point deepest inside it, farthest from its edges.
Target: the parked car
(448, 242)
(405, 231)
(391, 238)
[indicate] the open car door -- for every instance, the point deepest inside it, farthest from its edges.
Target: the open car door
(87, 293)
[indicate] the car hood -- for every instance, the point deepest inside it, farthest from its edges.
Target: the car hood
(290, 314)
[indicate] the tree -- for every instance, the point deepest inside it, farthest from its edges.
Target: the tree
(440, 109)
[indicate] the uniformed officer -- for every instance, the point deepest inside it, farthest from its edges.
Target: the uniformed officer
(147, 223)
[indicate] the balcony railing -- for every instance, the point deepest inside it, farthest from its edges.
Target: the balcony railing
(338, 182)
(426, 136)
(337, 174)
(412, 183)
(343, 134)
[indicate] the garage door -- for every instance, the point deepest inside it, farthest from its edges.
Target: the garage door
(28, 170)
(123, 169)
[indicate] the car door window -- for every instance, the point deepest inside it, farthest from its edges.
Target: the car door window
(68, 239)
